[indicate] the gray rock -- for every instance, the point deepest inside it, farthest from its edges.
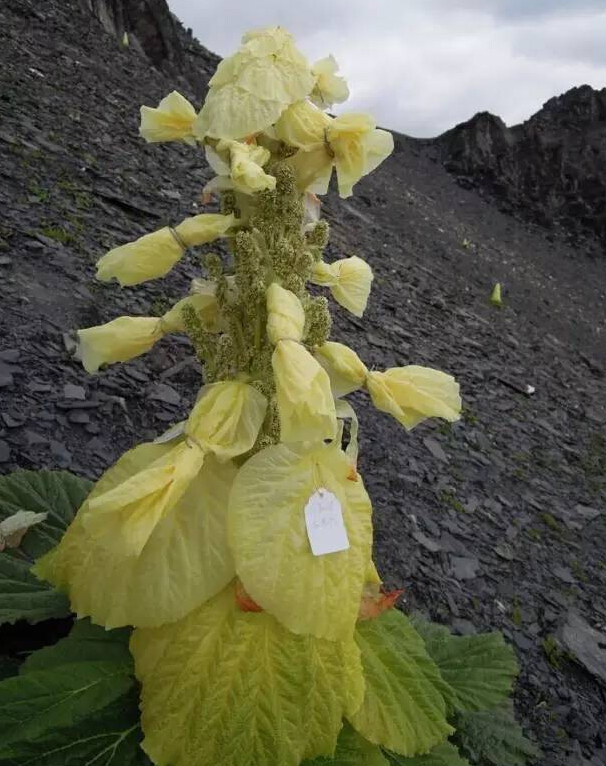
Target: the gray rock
(34, 439)
(435, 448)
(12, 420)
(585, 643)
(71, 391)
(162, 392)
(61, 453)
(78, 416)
(464, 567)
(504, 551)
(6, 379)
(430, 545)
(5, 452)
(586, 512)
(464, 627)
(564, 574)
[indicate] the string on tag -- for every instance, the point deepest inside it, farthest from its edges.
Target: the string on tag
(314, 477)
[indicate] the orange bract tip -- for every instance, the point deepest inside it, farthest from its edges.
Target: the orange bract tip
(376, 600)
(244, 601)
(353, 474)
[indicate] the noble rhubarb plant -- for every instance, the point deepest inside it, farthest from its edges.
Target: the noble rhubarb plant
(234, 552)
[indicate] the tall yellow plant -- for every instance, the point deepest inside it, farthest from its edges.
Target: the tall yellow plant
(239, 544)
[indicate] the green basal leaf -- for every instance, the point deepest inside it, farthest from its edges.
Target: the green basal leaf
(85, 643)
(97, 726)
(58, 494)
(445, 754)
(8, 667)
(352, 750)
(110, 737)
(36, 703)
(23, 597)
(494, 737)
(403, 709)
(480, 669)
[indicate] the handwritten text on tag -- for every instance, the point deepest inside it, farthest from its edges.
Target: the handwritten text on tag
(324, 521)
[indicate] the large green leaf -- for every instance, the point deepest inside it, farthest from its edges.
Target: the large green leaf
(58, 494)
(480, 668)
(8, 667)
(85, 643)
(445, 754)
(352, 750)
(35, 703)
(403, 709)
(109, 737)
(102, 729)
(494, 737)
(23, 597)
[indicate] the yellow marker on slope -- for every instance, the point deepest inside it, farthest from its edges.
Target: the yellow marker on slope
(495, 298)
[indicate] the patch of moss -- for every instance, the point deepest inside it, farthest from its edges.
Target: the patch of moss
(549, 521)
(449, 498)
(552, 651)
(59, 234)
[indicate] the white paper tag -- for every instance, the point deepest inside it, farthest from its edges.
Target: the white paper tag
(324, 521)
(173, 433)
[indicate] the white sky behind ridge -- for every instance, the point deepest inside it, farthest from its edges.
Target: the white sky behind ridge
(421, 66)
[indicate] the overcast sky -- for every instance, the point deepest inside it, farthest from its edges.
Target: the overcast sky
(421, 66)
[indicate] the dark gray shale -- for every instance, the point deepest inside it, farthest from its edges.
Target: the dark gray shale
(497, 522)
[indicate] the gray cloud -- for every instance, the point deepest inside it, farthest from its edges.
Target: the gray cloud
(421, 66)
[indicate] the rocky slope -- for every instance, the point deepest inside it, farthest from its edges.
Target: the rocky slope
(551, 169)
(497, 522)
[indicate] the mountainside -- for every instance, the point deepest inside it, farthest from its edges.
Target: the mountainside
(497, 522)
(551, 169)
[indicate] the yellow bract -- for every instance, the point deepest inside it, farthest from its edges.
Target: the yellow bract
(347, 372)
(227, 418)
(127, 337)
(184, 562)
(358, 146)
(305, 403)
(303, 126)
(239, 166)
(251, 88)
(228, 687)
(225, 421)
(171, 120)
(204, 303)
(285, 314)
(349, 280)
(267, 535)
(351, 143)
(412, 394)
(155, 254)
(329, 88)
